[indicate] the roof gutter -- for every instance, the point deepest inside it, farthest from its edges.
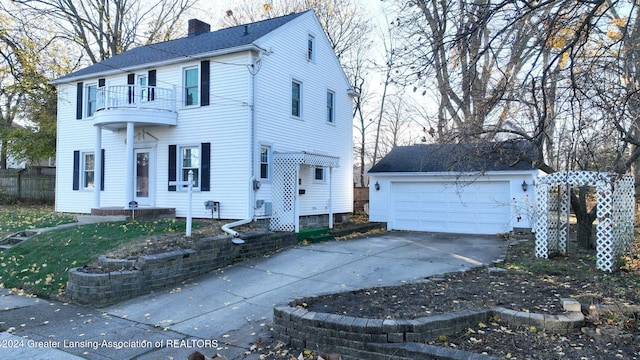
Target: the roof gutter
(248, 47)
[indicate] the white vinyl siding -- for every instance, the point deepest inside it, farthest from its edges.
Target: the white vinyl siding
(279, 69)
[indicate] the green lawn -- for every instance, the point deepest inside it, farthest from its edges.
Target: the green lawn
(40, 265)
(16, 218)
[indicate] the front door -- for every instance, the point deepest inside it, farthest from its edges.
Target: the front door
(145, 177)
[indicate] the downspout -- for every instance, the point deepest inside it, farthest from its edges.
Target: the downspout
(252, 144)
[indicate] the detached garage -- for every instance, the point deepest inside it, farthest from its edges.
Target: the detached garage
(455, 188)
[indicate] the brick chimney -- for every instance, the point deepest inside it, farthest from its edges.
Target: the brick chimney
(197, 27)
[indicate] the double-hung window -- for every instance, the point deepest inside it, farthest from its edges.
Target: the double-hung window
(92, 103)
(191, 86)
(330, 107)
(88, 170)
(311, 47)
(265, 162)
(190, 161)
(296, 98)
(143, 81)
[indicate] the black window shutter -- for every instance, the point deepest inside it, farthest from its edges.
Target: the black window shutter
(205, 174)
(172, 166)
(79, 101)
(102, 171)
(151, 94)
(204, 83)
(76, 170)
(131, 81)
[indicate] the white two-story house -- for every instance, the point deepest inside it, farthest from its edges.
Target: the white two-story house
(260, 115)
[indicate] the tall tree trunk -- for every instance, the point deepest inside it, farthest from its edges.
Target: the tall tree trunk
(584, 218)
(3, 155)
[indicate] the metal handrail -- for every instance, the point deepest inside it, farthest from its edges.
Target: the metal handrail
(135, 97)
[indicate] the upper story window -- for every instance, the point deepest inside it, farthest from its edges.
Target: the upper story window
(92, 103)
(265, 162)
(88, 170)
(191, 84)
(330, 107)
(311, 48)
(143, 81)
(190, 161)
(296, 98)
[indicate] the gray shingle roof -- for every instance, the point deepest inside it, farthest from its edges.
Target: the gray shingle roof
(470, 157)
(185, 47)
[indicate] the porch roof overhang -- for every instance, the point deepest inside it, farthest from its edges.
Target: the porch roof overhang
(113, 119)
(307, 158)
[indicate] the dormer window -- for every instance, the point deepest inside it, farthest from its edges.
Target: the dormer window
(311, 47)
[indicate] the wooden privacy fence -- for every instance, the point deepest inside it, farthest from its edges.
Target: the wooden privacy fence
(360, 199)
(36, 184)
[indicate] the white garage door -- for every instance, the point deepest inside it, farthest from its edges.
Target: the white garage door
(476, 208)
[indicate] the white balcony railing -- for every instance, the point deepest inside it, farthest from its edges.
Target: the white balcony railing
(136, 97)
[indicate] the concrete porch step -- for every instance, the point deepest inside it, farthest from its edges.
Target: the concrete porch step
(92, 219)
(15, 239)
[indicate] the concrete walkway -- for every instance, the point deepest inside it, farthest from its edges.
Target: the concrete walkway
(226, 311)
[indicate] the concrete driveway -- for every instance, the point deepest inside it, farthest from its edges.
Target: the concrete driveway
(232, 307)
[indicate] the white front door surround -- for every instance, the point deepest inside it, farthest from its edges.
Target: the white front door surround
(144, 176)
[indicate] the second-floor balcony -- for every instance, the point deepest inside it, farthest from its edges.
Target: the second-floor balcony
(119, 104)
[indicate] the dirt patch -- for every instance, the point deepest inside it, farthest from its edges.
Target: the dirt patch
(166, 242)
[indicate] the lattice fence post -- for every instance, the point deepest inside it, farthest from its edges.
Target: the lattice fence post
(542, 220)
(285, 177)
(604, 235)
(564, 214)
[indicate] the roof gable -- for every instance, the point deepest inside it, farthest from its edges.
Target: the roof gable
(186, 47)
(468, 157)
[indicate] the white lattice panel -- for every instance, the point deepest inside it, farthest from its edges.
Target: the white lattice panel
(283, 194)
(614, 232)
(284, 191)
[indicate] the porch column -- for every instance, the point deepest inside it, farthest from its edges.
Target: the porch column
(296, 201)
(130, 163)
(97, 171)
(330, 199)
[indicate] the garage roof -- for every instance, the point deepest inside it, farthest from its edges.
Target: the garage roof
(467, 157)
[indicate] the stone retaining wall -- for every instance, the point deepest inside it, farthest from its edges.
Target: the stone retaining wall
(359, 338)
(125, 279)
